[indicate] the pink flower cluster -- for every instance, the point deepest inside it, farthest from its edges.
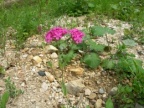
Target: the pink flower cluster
(57, 33)
(76, 35)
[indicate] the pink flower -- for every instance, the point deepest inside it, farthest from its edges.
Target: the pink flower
(55, 34)
(76, 35)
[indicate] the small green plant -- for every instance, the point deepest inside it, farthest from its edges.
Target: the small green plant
(81, 7)
(109, 103)
(11, 88)
(2, 70)
(4, 99)
(126, 67)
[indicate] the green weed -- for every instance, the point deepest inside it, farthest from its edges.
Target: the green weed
(11, 88)
(2, 70)
(4, 99)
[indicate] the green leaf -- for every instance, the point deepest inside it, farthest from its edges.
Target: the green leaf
(49, 63)
(64, 59)
(100, 31)
(92, 60)
(109, 103)
(129, 42)
(91, 5)
(108, 64)
(127, 64)
(2, 70)
(87, 106)
(4, 99)
(64, 90)
(96, 47)
(63, 46)
(113, 6)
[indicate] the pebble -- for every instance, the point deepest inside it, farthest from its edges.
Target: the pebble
(98, 103)
(92, 96)
(54, 55)
(77, 71)
(50, 48)
(113, 91)
(87, 92)
(41, 73)
(50, 77)
(101, 91)
(44, 86)
(37, 59)
(104, 96)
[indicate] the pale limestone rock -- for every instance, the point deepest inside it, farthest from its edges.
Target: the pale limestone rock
(54, 55)
(77, 71)
(92, 96)
(50, 77)
(50, 48)
(37, 59)
(87, 92)
(44, 87)
(98, 103)
(75, 86)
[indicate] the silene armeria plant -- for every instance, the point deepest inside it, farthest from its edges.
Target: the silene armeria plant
(64, 39)
(72, 42)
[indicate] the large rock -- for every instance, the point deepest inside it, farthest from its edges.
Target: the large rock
(75, 86)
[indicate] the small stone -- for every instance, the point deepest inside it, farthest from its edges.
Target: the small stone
(113, 91)
(50, 76)
(25, 55)
(92, 96)
(44, 86)
(104, 96)
(23, 84)
(75, 86)
(101, 91)
(77, 71)
(87, 92)
(29, 57)
(98, 103)
(1, 89)
(37, 59)
(54, 55)
(41, 73)
(50, 48)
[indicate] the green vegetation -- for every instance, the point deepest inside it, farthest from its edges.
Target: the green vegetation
(11, 88)
(10, 92)
(2, 70)
(4, 99)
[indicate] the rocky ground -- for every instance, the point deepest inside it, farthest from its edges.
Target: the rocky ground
(29, 70)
